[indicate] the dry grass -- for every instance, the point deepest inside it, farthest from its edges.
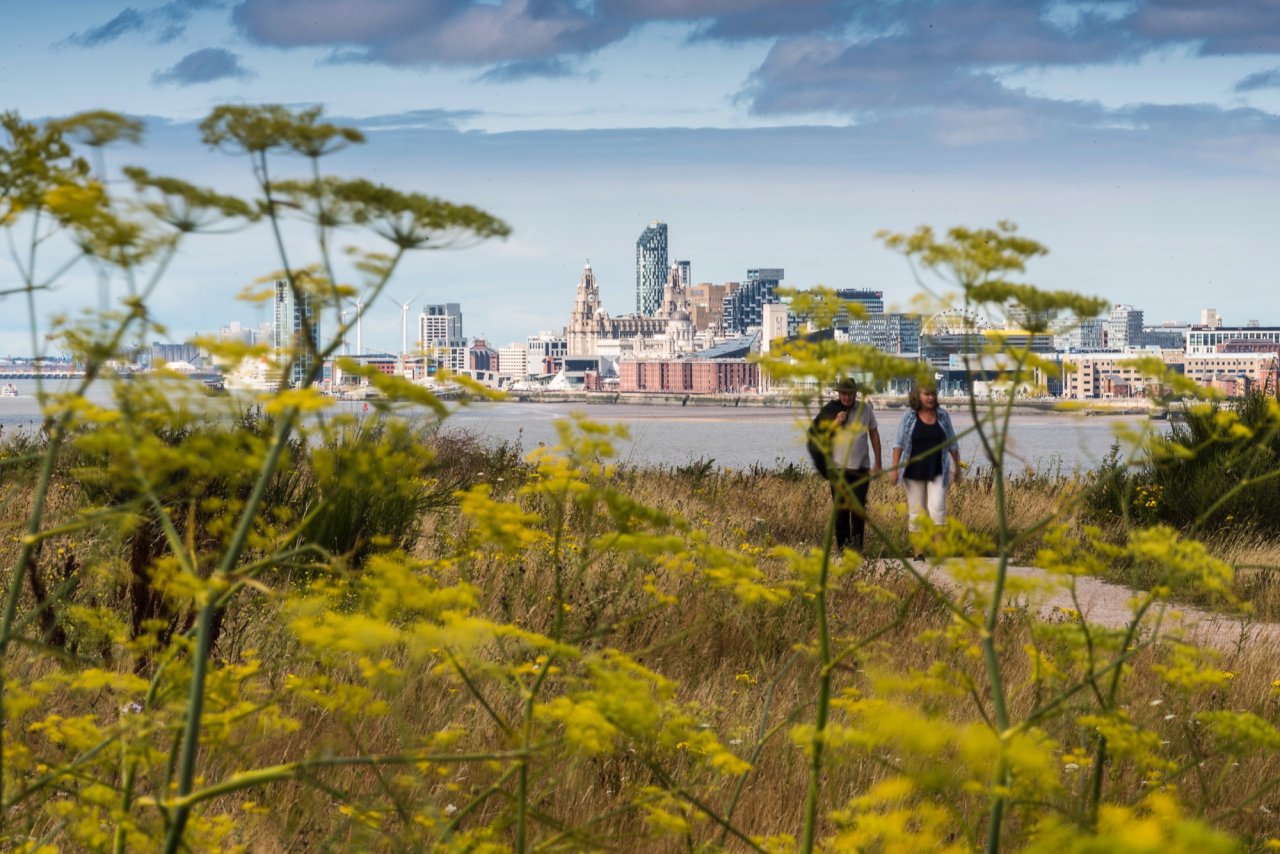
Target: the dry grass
(738, 665)
(739, 668)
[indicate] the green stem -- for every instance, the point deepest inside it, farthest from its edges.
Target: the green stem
(1100, 758)
(813, 795)
(702, 806)
(204, 629)
(995, 446)
(289, 770)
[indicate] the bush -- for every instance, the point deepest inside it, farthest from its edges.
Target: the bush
(1218, 466)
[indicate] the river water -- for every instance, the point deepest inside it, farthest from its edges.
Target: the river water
(732, 437)
(743, 437)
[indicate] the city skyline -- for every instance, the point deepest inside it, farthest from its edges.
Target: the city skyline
(1140, 141)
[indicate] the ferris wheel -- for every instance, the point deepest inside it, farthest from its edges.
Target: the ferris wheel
(954, 321)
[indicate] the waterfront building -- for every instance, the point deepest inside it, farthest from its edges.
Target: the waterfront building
(889, 333)
(394, 364)
(482, 357)
(1210, 317)
(651, 268)
(440, 323)
(592, 332)
(513, 361)
(1075, 335)
(1204, 339)
(1104, 375)
(1123, 327)
(949, 332)
(1166, 336)
(296, 324)
(161, 354)
(440, 337)
(744, 308)
(688, 376)
(546, 352)
(985, 352)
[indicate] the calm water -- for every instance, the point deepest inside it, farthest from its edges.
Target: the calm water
(736, 438)
(23, 411)
(741, 437)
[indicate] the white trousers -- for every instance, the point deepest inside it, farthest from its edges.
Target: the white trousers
(925, 493)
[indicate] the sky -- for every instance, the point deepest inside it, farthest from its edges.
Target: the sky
(1138, 140)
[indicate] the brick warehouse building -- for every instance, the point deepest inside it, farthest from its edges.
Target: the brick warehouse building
(688, 376)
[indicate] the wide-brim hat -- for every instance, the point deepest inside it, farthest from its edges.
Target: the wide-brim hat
(846, 386)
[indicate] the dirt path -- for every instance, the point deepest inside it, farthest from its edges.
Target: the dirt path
(1108, 605)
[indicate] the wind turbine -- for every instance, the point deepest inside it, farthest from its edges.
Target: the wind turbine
(358, 302)
(404, 330)
(342, 321)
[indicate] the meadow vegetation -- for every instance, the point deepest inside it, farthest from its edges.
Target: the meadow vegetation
(264, 626)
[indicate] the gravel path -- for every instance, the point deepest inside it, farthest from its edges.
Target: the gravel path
(1108, 605)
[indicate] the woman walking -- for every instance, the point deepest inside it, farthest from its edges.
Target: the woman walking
(926, 442)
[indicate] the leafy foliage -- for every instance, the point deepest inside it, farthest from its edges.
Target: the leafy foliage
(281, 625)
(1219, 465)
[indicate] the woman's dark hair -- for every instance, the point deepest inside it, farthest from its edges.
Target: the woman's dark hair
(913, 396)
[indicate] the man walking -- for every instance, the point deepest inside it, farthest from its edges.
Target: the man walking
(844, 441)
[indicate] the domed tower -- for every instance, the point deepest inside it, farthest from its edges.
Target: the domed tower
(675, 297)
(680, 332)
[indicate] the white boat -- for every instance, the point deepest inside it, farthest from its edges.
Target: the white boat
(10, 390)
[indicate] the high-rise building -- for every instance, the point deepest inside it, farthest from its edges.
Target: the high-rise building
(651, 268)
(707, 303)
(1072, 335)
(440, 324)
(686, 273)
(872, 302)
(1019, 317)
(513, 361)
(295, 322)
(744, 308)
(164, 353)
(440, 336)
(1210, 317)
(483, 357)
(773, 323)
(890, 333)
(1124, 327)
(546, 352)
(234, 331)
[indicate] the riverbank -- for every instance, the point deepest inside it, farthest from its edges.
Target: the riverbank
(1051, 406)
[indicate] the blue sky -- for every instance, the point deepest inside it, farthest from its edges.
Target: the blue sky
(1139, 140)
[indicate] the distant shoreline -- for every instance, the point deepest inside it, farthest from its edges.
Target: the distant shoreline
(886, 402)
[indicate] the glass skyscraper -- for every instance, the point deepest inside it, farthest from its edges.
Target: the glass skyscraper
(744, 308)
(651, 268)
(295, 321)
